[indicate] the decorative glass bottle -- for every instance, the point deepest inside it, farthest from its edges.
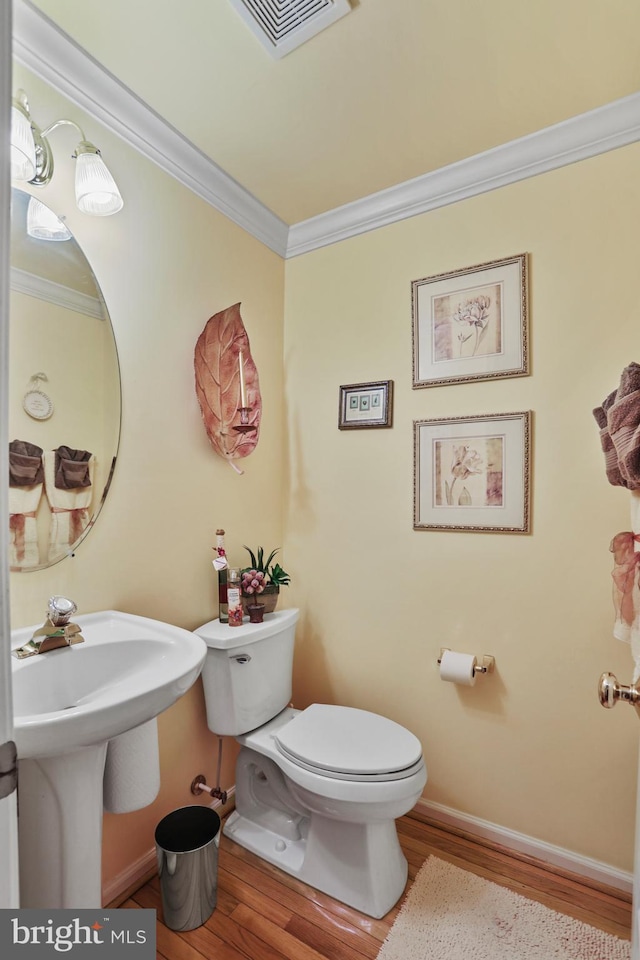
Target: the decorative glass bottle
(234, 596)
(221, 565)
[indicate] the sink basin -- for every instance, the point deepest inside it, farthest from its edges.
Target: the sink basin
(68, 704)
(128, 670)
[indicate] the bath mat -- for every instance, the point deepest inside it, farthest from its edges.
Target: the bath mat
(450, 914)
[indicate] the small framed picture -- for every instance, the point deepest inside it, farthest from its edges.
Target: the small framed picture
(366, 405)
(473, 473)
(471, 324)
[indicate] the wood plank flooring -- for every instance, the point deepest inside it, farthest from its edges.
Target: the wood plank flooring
(264, 914)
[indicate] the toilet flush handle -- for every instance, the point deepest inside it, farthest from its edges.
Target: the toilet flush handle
(240, 657)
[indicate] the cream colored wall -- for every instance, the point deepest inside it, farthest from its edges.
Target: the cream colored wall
(165, 264)
(529, 748)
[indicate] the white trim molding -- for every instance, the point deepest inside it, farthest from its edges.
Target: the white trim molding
(581, 137)
(33, 286)
(594, 870)
(585, 867)
(52, 55)
(133, 877)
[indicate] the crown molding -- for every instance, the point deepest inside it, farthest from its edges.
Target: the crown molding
(615, 125)
(42, 47)
(54, 57)
(42, 289)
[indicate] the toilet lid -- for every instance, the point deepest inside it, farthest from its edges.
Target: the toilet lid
(349, 742)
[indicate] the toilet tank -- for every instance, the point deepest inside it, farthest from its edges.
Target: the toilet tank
(247, 671)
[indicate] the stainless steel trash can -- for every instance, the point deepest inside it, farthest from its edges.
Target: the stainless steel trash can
(187, 849)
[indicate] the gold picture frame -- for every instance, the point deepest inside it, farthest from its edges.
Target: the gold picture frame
(471, 324)
(366, 405)
(473, 473)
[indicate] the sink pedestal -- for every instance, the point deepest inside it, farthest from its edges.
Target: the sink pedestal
(60, 829)
(68, 704)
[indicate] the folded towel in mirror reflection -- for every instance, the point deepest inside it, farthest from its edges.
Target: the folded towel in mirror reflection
(26, 476)
(25, 464)
(70, 506)
(72, 468)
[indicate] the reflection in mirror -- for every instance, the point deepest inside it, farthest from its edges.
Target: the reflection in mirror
(64, 391)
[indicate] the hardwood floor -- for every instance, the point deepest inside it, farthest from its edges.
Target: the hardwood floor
(264, 914)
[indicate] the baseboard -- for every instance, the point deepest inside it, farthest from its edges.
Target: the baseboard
(595, 871)
(585, 867)
(136, 874)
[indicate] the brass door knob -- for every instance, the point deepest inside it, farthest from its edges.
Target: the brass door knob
(610, 691)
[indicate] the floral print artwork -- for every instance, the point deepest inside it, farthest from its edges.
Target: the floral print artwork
(469, 472)
(468, 323)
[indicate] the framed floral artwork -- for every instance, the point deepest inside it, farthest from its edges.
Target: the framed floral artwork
(471, 324)
(473, 473)
(366, 405)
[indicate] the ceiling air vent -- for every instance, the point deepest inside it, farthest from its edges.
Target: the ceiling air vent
(282, 25)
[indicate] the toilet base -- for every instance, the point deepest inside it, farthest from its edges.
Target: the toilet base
(286, 854)
(340, 859)
(338, 836)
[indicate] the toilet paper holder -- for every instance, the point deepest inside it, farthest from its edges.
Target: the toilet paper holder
(484, 665)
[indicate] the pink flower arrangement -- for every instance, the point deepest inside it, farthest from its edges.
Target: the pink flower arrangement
(253, 582)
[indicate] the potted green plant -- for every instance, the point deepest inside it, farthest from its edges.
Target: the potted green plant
(273, 577)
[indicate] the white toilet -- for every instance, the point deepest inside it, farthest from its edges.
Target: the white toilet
(317, 790)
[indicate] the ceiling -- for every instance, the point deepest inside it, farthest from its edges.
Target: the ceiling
(394, 90)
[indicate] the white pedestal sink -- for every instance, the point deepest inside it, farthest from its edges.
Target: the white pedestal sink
(68, 703)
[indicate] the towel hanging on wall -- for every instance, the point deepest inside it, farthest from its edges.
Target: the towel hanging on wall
(618, 418)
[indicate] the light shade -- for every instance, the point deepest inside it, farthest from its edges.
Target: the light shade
(43, 224)
(23, 148)
(96, 190)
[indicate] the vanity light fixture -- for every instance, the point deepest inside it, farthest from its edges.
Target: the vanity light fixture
(32, 160)
(43, 224)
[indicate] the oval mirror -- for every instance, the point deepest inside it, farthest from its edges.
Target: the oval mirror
(64, 390)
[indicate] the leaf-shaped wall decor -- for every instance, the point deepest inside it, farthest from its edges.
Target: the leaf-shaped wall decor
(217, 372)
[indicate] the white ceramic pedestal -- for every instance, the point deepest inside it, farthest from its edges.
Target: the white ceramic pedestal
(60, 829)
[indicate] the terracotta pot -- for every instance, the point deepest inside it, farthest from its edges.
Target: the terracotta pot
(256, 612)
(269, 597)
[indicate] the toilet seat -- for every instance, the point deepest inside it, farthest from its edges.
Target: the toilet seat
(345, 743)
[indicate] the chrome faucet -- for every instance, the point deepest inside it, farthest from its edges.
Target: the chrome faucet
(56, 631)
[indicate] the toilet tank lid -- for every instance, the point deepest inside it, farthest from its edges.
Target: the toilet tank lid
(348, 740)
(220, 636)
